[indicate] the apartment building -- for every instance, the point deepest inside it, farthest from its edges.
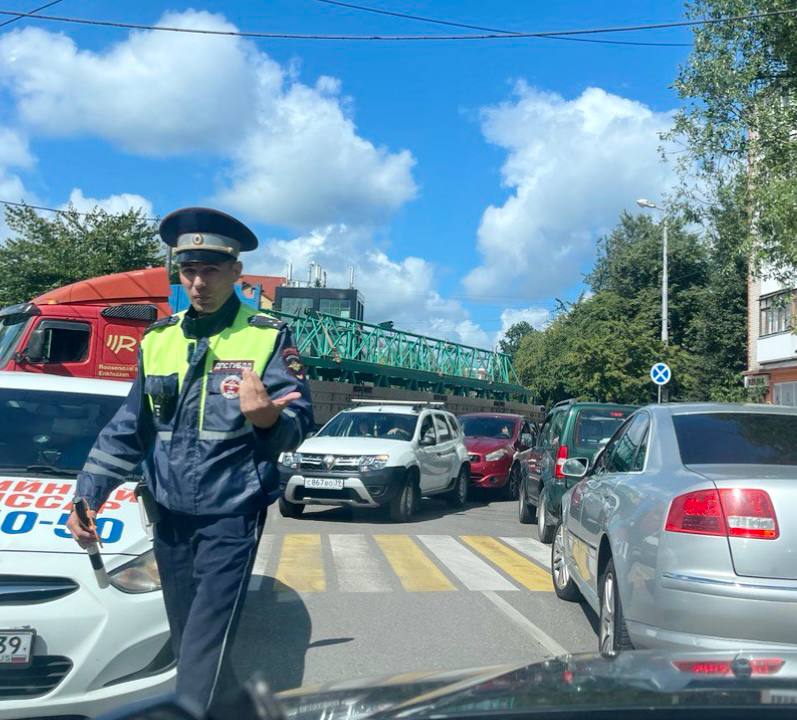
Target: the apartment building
(772, 342)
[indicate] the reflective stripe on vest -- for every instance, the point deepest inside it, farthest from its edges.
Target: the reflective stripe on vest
(165, 352)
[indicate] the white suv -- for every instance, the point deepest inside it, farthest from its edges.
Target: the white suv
(376, 455)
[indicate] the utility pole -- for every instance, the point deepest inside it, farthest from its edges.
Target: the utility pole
(665, 280)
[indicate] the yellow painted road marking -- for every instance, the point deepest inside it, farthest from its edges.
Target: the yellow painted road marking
(300, 565)
(528, 574)
(415, 570)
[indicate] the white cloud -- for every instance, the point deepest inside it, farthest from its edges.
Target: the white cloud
(112, 204)
(293, 154)
(14, 155)
(401, 290)
(573, 165)
(537, 317)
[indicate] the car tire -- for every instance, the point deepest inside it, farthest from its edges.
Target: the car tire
(545, 531)
(563, 584)
(403, 505)
(512, 487)
(525, 511)
(612, 630)
(459, 495)
(289, 509)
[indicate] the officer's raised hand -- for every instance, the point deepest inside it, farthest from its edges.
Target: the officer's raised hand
(257, 406)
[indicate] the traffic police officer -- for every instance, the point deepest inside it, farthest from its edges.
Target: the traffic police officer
(220, 393)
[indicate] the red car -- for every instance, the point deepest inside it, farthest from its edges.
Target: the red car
(492, 440)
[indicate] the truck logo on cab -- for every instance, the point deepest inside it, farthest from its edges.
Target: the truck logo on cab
(117, 343)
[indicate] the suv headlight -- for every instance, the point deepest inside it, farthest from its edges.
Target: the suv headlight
(138, 576)
(369, 463)
(291, 460)
(495, 455)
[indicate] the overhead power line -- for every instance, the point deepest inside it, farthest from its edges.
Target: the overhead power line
(59, 211)
(450, 23)
(43, 7)
(376, 37)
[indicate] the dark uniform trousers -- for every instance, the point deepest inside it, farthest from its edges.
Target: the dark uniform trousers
(205, 563)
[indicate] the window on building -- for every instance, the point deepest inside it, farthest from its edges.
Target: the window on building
(296, 305)
(341, 308)
(777, 313)
(785, 393)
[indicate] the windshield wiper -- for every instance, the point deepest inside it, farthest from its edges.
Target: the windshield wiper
(39, 470)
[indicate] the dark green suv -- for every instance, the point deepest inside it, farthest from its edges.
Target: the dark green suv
(571, 429)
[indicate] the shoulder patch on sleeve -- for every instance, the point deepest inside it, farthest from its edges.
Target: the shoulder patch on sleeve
(266, 322)
(163, 322)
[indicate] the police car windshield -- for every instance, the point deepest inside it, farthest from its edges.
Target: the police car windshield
(378, 425)
(50, 429)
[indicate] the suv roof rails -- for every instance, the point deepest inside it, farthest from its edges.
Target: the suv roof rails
(364, 401)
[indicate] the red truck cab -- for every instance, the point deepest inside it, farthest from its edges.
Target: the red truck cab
(88, 329)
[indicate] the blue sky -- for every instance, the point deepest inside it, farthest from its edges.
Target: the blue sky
(467, 182)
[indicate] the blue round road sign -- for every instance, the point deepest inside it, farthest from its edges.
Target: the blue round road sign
(660, 373)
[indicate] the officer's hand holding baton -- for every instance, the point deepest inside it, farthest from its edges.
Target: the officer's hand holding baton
(81, 524)
(256, 405)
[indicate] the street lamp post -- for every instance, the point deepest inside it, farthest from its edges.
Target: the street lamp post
(665, 333)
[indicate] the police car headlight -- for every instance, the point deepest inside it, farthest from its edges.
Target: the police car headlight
(495, 455)
(138, 576)
(368, 463)
(291, 460)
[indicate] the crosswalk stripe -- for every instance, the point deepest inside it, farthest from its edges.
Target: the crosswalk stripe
(415, 570)
(513, 564)
(531, 548)
(356, 566)
(264, 551)
(300, 566)
(474, 573)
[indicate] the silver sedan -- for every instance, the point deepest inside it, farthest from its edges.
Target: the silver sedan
(683, 533)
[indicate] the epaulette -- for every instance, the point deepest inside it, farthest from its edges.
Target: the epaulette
(163, 322)
(266, 322)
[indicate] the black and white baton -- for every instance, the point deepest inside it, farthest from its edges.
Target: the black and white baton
(82, 510)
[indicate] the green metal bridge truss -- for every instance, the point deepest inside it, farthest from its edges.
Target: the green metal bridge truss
(340, 349)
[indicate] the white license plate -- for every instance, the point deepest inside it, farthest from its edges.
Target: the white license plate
(16, 647)
(324, 483)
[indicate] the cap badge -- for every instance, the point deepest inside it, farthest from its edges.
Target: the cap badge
(198, 239)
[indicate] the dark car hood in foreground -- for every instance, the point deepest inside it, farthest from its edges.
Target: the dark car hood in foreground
(580, 682)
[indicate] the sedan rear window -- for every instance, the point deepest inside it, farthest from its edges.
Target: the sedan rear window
(737, 438)
(597, 424)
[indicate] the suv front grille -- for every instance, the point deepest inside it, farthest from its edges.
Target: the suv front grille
(27, 589)
(339, 462)
(44, 674)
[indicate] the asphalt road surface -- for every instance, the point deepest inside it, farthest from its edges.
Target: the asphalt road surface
(340, 594)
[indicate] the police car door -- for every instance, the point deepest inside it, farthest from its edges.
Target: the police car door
(432, 465)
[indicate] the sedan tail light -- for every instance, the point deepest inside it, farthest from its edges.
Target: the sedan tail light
(561, 456)
(729, 512)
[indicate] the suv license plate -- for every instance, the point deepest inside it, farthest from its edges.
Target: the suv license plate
(16, 647)
(324, 483)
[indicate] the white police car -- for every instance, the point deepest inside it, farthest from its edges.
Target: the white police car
(68, 646)
(377, 455)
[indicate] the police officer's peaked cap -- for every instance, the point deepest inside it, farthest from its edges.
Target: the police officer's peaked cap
(205, 235)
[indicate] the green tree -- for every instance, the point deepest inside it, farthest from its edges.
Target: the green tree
(514, 335)
(739, 88)
(602, 347)
(43, 254)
